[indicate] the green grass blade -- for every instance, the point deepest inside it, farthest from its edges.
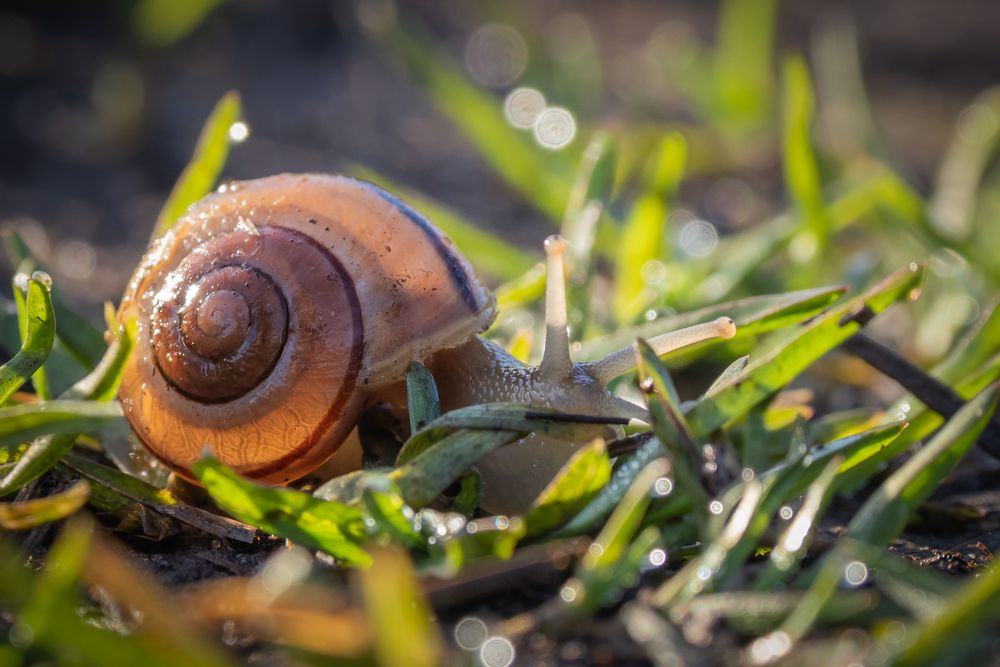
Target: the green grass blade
(39, 335)
(164, 22)
(709, 568)
(766, 376)
(383, 503)
(423, 478)
(599, 573)
(421, 396)
(406, 633)
(642, 238)
(753, 316)
(202, 172)
(885, 513)
(487, 252)
(672, 430)
(968, 611)
(39, 511)
(82, 340)
(801, 169)
(579, 480)
(26, 421)
(516, 417)
(956, 189)
(794, 541)
(327, 526)
(22, 288)
(743, 67)
(121, 492)
(622, 478)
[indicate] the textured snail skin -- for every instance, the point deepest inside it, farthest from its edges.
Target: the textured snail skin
(275, 309)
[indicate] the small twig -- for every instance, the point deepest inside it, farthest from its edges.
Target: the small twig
(936, 395)
(628, 444)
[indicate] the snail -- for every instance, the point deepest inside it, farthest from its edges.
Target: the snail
(276, 310)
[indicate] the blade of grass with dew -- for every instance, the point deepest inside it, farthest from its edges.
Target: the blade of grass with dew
(424, 477)
(542, 177)
(769, 374)
(421, 396)
(22, 291)
(202, 172)
(856, 448)
(452, 548)
(39, 511)
(579, 480)
(791, 546)
(598, 573)
(95, 390)
(326, 526)
(672, 430)
(800, 167)
(970, 609)
(81, 339)
(26, 421)
(486, 251)
(642, 237)
(394, 605)
(699, 574)
(885, 513)
(383, 503)
(39, 334)
(753, 316)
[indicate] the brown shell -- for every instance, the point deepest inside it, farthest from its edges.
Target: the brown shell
(274, 308)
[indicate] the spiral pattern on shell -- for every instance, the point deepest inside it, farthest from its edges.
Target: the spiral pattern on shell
(273, 309)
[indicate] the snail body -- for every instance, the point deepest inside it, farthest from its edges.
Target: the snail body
(276, 310)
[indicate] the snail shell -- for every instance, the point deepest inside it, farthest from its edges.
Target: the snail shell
(274, 310)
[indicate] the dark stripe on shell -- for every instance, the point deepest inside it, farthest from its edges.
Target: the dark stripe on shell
(456, 271)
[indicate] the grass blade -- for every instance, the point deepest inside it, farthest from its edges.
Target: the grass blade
(405, 632)
(642, 238)
(769, 374)
(202, 172)
(580, 479)
(39, 511)
(81, 339)
(327, 526)
(39, 335)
